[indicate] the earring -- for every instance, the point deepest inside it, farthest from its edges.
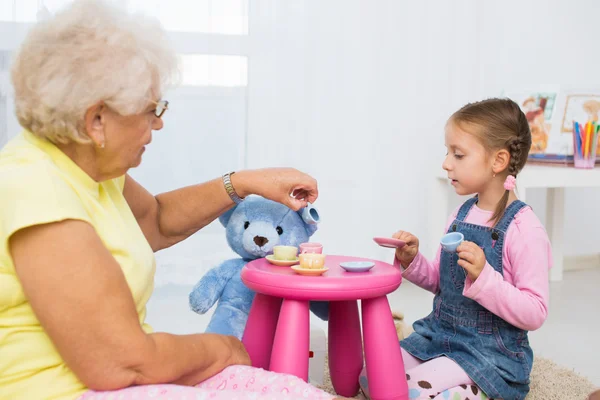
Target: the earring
(493, 176)
(101, 145)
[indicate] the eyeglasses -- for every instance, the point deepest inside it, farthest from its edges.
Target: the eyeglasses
(161, 107)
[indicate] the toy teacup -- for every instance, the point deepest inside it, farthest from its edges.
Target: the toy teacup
(311, 248)
(312, 260)
(285, 252)
(451, 241)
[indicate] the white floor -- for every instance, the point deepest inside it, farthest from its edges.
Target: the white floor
(570, 336)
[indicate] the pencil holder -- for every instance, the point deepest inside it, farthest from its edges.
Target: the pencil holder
(585, 143)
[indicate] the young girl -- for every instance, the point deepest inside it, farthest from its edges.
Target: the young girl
(494, 290)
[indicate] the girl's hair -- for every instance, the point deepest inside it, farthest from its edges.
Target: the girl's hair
(498, 124)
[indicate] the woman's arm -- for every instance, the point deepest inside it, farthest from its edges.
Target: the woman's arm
(80, 296)
(169, 218)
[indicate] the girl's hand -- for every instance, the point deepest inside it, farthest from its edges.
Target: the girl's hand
(408, 252)
(287, 186)
(471, 258)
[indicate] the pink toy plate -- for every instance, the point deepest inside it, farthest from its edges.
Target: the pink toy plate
(281, 263)
(309, 271)
(389, 242)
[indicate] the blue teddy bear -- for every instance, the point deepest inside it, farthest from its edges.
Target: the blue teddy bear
(253, 228)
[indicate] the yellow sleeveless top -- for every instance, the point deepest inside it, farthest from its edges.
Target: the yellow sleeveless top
(39, 184)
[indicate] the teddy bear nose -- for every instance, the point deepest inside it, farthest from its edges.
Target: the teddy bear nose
(260, 241)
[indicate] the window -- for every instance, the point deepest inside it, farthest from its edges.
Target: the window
(226, 22)
(26, 10)
(214, 70)
(227, 17)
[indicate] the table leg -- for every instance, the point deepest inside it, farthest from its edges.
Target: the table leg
(438, 213)
(260, 329)
(555, 216)
(385, 367)
(345, 347)
(291, 344)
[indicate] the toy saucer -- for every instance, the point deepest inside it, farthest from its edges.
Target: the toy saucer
(281, 263)
(389, 242)
(357, 266)
(309, 271)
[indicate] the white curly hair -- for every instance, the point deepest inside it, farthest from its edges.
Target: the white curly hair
(91, 52)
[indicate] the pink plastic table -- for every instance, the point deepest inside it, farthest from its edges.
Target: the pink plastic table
(277, 331)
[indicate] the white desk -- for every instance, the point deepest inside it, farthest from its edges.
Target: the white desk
(553, 178)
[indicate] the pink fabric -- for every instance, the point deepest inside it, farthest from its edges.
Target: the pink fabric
(519, 295)
(233, 383)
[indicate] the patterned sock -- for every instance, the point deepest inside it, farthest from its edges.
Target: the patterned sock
(431, 380)
(462, 392)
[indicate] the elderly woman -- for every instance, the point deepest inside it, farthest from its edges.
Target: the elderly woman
(78, 234)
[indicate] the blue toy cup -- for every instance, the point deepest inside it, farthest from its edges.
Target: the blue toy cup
(451, 241)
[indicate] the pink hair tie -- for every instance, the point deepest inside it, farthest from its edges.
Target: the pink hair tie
(510, 182)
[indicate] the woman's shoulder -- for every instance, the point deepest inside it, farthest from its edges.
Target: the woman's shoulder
(34, 173)
(34, 193)
(28, 177)
(19, 156)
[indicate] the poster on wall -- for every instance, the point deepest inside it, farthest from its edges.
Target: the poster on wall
(581, 107)
(550, 112)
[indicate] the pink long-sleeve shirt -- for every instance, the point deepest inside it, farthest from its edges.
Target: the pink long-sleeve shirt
(520, 294)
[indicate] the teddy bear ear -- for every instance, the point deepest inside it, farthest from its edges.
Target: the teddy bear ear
(224, 218)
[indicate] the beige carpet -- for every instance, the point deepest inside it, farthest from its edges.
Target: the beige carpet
(548, 382)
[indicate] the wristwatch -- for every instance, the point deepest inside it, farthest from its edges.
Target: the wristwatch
(230, 189)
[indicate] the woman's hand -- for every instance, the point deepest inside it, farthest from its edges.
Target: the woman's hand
(408, 252)
(471, 258)
(288, 186)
